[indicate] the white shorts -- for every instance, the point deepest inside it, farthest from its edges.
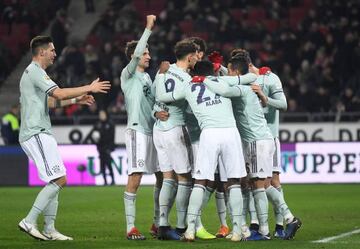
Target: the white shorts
(141, 153)
(259, 158)
(174, 150)
(277, 156)
(43, 150)
(195, 149)
(220, 147)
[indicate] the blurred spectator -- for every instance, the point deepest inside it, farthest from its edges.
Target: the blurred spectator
(10, 126)
(59, 30)
(89, 6)
(105, 131)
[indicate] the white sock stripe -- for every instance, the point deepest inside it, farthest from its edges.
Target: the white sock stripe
(199, 186)
(234, 186)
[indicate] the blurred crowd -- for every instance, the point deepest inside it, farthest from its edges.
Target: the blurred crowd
(314, 46)
(20, 20)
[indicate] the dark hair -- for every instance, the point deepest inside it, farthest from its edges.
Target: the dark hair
(185, 47)
(39, 41)
(130, 48)
(239, 62)
(203, 68)
(241, 52)
(200, 42)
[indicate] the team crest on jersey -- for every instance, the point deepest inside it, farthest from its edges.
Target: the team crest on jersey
(47, 77)
(141, 163)
(56, 169)
(146, 90)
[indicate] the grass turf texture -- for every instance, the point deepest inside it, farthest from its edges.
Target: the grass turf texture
(94, 216)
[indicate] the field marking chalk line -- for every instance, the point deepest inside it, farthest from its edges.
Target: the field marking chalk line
(325, 240)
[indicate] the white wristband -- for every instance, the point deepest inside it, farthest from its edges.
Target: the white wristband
(73, 101)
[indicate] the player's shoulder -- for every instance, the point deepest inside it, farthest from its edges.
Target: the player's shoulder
(34, 68)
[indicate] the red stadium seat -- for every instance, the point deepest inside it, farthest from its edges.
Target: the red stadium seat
(296, 15)
(186, 26)
(237, 14)
(256, 15)
(271, 24)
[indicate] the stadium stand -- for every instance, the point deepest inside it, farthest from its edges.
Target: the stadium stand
(314, 47)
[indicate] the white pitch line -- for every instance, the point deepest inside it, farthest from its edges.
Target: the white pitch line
(325, 240)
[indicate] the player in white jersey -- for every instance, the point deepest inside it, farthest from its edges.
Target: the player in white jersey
(139, 92)
(219, 140)
(269, 90)
(275, 197)
(38, 93)
(173, 144)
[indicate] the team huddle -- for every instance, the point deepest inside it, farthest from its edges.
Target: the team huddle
(199, 127)
(203, 128)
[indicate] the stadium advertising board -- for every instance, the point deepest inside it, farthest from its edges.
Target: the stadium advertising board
(83, 167)
(301, 163)
(320, 162)
(289, 133)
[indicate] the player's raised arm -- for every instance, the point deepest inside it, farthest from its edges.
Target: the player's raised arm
(130, 69)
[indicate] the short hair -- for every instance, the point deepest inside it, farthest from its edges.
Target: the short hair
(185, 47)
(241, 52)
(39, 41)
(239, 62)
(204, 68)
(200, 42)
(130, 48)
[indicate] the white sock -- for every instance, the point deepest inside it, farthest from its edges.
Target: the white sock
(182, 202)
(252, 210)
(236, 206)
(246, 196)
(50, 214)
(207, 195)
(279, 219)
(278, 202)
(165, 198)
(156, 206)
(130, 210)
(41, 201)
(221, 207)
(261, 206)
(196, 197)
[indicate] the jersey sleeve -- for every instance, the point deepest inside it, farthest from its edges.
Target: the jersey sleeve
(222, 88)
(130, 69)
(276, 96)
(43, 81)
(239, 80)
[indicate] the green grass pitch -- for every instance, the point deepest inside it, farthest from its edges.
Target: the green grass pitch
(94, 216)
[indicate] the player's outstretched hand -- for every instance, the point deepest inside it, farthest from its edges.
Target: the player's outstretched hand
(85, 100)
(198, 79)
(150, 21)
(164, 66)
(264, 70)
(98, 86)
(162, 115)
(216, 57)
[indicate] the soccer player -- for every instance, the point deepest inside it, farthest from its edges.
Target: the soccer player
(194, 133)
(38, 93)
(219, 140)
(255, 134)
(139, 92)
(172, 142)
(269, 90)
(273, 99)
